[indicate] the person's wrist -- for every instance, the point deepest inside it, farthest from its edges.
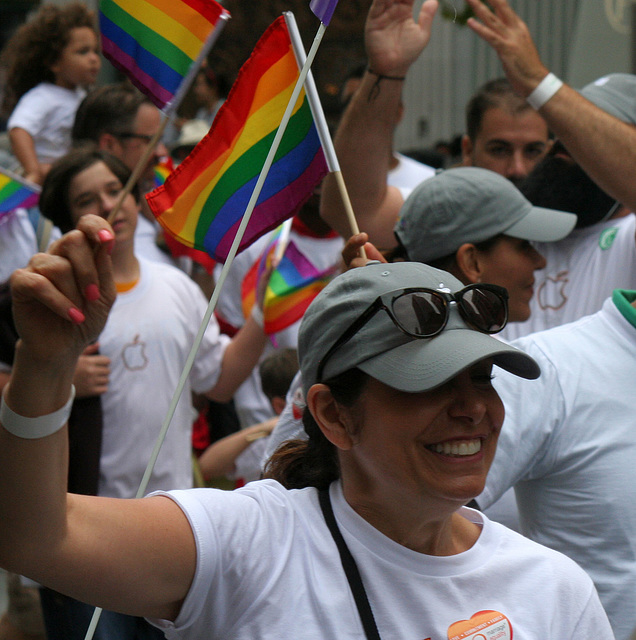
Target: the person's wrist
(258, 316)
(398, 77)
(544, 91)
(32, 428)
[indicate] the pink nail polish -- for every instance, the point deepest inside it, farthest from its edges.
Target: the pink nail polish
(105, 235)
(92, 292)
(107, 238)
(76, 316)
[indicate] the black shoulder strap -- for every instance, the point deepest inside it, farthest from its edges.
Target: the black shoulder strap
(350, 567)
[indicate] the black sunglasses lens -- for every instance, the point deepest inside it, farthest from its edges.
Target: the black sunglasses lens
(484, 309)
(420, 313)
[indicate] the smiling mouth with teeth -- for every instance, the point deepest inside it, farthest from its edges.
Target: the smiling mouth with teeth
(463, 448)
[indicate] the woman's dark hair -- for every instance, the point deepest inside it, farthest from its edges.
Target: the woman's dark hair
(297, 464)
(445, 263)
(54, 201)
(37, 45)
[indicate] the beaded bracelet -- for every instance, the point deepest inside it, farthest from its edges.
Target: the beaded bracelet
(544, 91)
(32, 428)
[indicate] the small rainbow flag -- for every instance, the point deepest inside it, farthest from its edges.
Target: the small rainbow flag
(15, 193)
(162, 170)
(203, 201)
(292, 286)
(156, 42)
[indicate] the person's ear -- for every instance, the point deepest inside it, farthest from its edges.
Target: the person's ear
(330, 416)
(278, 404)
(469, 264)
(108, 142)
(467, 151)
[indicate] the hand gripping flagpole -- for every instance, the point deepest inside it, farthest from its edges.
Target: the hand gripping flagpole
(223, 275)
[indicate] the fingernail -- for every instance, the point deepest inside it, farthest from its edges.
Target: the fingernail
(92, 292)
(76, 316)
(106, 237)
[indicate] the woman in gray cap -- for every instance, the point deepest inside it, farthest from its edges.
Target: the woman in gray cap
(478, 226)
(373, 541)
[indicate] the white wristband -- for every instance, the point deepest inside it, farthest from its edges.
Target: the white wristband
(544, 91)
(32, 428)
(257, 315)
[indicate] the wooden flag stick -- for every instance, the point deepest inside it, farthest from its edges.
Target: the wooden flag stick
(137, 171)
(321, 124)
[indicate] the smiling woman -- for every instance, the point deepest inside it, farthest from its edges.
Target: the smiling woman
(359, 532)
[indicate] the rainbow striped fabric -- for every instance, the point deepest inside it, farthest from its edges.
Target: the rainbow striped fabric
(203, 201)
(16, 192)
(162, 170)
(292, 286)
(155, 42)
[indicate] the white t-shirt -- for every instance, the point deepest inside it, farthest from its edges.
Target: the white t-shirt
(568, 445)
(267, 567)
(148, 336)
(146, 242)
(408, 174)
(582, 271)
(18, 241)
(47, 113)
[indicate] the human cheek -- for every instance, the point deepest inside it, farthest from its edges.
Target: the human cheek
(495, 410)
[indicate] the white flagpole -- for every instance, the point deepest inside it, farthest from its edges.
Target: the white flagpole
(321, 124)
(231, 255)
(283, 241)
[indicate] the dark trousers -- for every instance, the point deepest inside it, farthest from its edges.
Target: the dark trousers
(69, 619)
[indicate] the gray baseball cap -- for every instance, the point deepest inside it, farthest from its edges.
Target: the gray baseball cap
(380, 349)
(469, 204)
(614, 93)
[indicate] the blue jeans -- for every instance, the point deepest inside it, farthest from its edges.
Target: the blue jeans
(69, 619)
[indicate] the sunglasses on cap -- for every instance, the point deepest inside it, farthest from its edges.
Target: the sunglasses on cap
(423, 313)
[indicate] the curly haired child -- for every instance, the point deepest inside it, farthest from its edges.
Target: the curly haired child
(50, 60)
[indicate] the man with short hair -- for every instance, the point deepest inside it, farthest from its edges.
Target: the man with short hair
(123, 121)
(503, 132)
(601, 140)
(588, 171)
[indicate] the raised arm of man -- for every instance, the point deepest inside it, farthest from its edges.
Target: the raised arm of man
(363, 142)
(604, 146)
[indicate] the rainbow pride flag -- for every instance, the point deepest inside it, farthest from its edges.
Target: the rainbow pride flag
(203, 201)
(16, 192)
(156, 42)
(292, 286)
(162, 170)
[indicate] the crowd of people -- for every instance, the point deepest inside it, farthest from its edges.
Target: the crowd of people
(440, 447)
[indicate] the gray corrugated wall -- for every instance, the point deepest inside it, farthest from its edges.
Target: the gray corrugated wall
(456, 61)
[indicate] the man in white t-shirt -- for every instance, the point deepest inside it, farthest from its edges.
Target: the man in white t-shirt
(567, 445)
(600, 254)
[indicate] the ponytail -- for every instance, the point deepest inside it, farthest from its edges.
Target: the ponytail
(297, 464)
